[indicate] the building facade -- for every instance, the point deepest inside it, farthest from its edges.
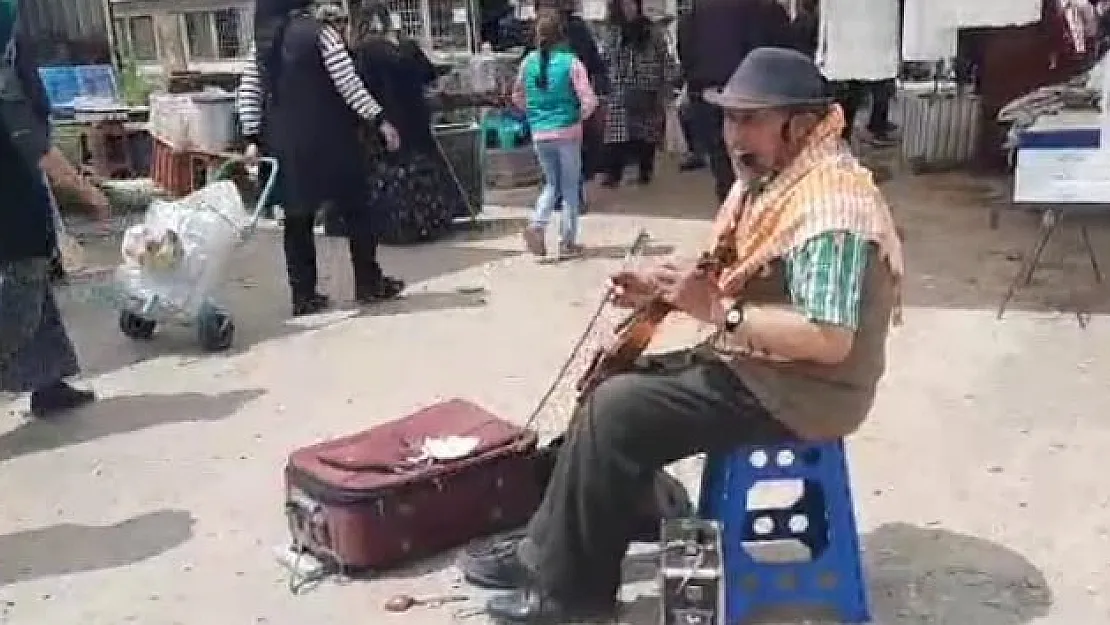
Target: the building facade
(216, 33)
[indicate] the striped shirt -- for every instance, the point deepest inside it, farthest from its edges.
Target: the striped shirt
(340, 67)
(825, 278)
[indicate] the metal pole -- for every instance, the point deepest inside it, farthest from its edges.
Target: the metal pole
(426, 23)
(110, 30)
(347, 10)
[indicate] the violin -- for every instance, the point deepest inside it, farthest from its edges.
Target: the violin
(632, 336)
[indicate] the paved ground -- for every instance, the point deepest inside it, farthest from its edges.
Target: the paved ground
(980, 488)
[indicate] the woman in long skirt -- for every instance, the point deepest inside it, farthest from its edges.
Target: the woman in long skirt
(36, 355)
(641, 74)
(414, 194)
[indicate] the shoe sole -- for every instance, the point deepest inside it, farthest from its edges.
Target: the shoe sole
(485, 583)
(570, 254)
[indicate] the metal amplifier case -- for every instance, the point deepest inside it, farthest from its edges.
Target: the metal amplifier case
(692, 573)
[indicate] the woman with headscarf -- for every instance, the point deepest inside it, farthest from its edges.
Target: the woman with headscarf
(641, 72)
(303, 100)
(414, 194)
(36, 354)
(580, 39)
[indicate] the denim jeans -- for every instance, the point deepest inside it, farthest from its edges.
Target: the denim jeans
(561, 162)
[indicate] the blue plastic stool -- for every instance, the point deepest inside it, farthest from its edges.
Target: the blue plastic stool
(822, 519)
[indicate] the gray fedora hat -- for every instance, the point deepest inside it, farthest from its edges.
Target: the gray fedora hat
(772, 78)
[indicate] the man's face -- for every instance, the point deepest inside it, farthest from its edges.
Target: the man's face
(758, 135)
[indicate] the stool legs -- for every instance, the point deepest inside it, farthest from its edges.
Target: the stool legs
(822, 519)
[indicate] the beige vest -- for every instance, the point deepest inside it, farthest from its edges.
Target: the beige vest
(822, 402)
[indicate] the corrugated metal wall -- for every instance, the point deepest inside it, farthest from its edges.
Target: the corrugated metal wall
(64, 19)
(63, 31)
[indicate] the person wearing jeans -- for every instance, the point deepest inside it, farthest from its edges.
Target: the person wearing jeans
(554, 88)
(561, 162)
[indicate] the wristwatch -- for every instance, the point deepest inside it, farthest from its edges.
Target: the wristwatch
(734, 316)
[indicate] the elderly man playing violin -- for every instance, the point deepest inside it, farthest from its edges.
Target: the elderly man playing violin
(801, 313)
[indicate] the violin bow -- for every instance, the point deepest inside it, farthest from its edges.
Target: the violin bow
(634, 250)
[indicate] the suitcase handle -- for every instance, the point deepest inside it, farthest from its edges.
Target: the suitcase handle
(308, 526)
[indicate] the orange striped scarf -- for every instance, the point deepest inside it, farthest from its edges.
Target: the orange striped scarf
(824, 189)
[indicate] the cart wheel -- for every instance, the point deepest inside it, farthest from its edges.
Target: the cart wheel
(135, 327)
(216, 330)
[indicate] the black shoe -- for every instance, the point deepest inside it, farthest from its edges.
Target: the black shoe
(645, 179)
(57, 271)
(335, 231)
(311, 305)
(610, 182)
(57, 398)
(880, 140)
(692, 163)
(532, 606)
(888, 128)
(493, 564)
(387, 288)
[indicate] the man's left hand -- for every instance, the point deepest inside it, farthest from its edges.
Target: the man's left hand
(690, 289)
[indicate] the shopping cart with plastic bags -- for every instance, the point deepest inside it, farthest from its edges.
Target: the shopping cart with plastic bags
(176, 258)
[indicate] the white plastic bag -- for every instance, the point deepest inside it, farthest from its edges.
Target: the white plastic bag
(181, 249)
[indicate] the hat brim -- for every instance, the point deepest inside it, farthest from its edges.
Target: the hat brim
(751, 102)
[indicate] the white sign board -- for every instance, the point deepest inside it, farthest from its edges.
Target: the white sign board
(1062, 176)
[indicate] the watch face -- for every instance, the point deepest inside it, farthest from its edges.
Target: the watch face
(733, 317)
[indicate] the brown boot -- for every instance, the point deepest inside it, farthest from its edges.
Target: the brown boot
(534, 241)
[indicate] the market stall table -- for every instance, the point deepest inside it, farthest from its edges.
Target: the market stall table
(1061, 170)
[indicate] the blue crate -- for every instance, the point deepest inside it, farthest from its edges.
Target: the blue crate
(66, 83)
(98, 81)
(62, 86)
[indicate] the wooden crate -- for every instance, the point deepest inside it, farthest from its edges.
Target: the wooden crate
(179, 173)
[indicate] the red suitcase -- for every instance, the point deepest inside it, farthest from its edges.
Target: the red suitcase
(360, 502)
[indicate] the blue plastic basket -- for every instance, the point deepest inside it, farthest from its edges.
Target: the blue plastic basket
(62, 86)
(65, 83)
(97, 81)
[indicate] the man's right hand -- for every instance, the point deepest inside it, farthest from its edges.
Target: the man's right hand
(632, 288)
(99, 206)
(391, 136)
(251, 154)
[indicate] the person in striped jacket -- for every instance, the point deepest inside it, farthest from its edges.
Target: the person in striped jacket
(302, 99)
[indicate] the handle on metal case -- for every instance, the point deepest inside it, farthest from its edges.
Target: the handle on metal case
(267, 188)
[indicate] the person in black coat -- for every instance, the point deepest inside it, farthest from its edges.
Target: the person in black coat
(36, 354)
(303, 99)
(713, 39)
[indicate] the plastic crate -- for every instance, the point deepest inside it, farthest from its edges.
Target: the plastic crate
(62, 87)
(66, 83)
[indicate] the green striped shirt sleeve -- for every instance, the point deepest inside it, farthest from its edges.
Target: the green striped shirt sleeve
(825, 278)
